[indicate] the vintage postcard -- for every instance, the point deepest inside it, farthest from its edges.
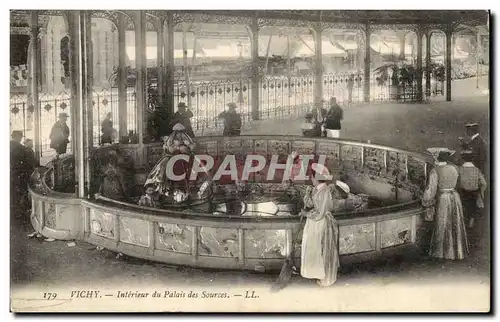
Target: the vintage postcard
(250, 161)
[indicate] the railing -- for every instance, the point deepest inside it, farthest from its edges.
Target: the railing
(279, 97)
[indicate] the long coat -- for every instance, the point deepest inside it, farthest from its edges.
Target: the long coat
(232, 123)
(333, 118)
(480, 152)
(59, 135)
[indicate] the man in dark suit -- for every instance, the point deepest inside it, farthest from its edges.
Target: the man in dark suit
(17, 166)
(232, 121)
(477, 145)
(59, 135)
(183, 116)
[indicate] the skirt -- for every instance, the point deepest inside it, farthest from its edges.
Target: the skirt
(449, 238)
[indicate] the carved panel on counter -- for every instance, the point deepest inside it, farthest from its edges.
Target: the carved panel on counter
(331, 151)
(396, 164)
(395, 232)
(246, 147)
(102, 223)
(134, 231)
(374, 160)
(416, 171)
(221, 242)
(36, 211)
(265, 243)
(304, 147)
(174, 238)
(50, 215)
(206, 147)
(230, 147)
(154, 154)
(260, 147)
(357, 238)
(350, 156)
(276, 147)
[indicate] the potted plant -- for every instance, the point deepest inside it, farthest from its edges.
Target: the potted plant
(382, 76)
(439, 72)
(407, 76)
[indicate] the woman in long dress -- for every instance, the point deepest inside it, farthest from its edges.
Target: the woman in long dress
(449, 238)
(320, 255)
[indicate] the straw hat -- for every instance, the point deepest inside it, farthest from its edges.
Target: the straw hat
(436, 151)
(343, 186)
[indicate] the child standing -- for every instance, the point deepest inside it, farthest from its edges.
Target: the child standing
(472, 186)
(148, 199)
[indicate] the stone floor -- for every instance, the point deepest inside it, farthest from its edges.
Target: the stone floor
(409, 126)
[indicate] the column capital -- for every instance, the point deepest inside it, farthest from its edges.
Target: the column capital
(366, 28)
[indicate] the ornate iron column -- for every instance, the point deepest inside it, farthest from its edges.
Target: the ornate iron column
(318, 64)
(141, 70)
(254, 28)
(81, 96)
(186, 64)
(367, 63)
(428, 70)
(478, 51)
(169, 62)
(87, 80)
(420, 34)
(402, 44)
(122, 77)
(449, 35)
(159, 57)
(34, 73)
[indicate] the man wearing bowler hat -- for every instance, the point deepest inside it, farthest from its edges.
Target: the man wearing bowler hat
(232, 120)
(59, 135)
(477, 146)
(183, 116)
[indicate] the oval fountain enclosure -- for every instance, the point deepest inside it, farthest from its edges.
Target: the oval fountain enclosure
(249, 229)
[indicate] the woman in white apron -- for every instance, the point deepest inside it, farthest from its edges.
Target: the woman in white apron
(320, 254)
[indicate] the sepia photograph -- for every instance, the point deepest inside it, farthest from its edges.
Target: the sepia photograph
(250, 161)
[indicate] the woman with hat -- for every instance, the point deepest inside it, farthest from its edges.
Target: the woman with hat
(59, 135)
(320, 255)
(449, 236)
(178, 142)
(344, 200)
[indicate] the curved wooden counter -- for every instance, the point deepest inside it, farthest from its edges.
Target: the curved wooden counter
(250, 243)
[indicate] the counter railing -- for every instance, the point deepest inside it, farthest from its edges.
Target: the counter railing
(185, 237)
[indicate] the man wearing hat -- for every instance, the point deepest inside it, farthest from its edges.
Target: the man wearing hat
(17, 166)
(333, 119)
(472, 187)
(59, 135)
(477, 146)
(232, 121)
(183, 116)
